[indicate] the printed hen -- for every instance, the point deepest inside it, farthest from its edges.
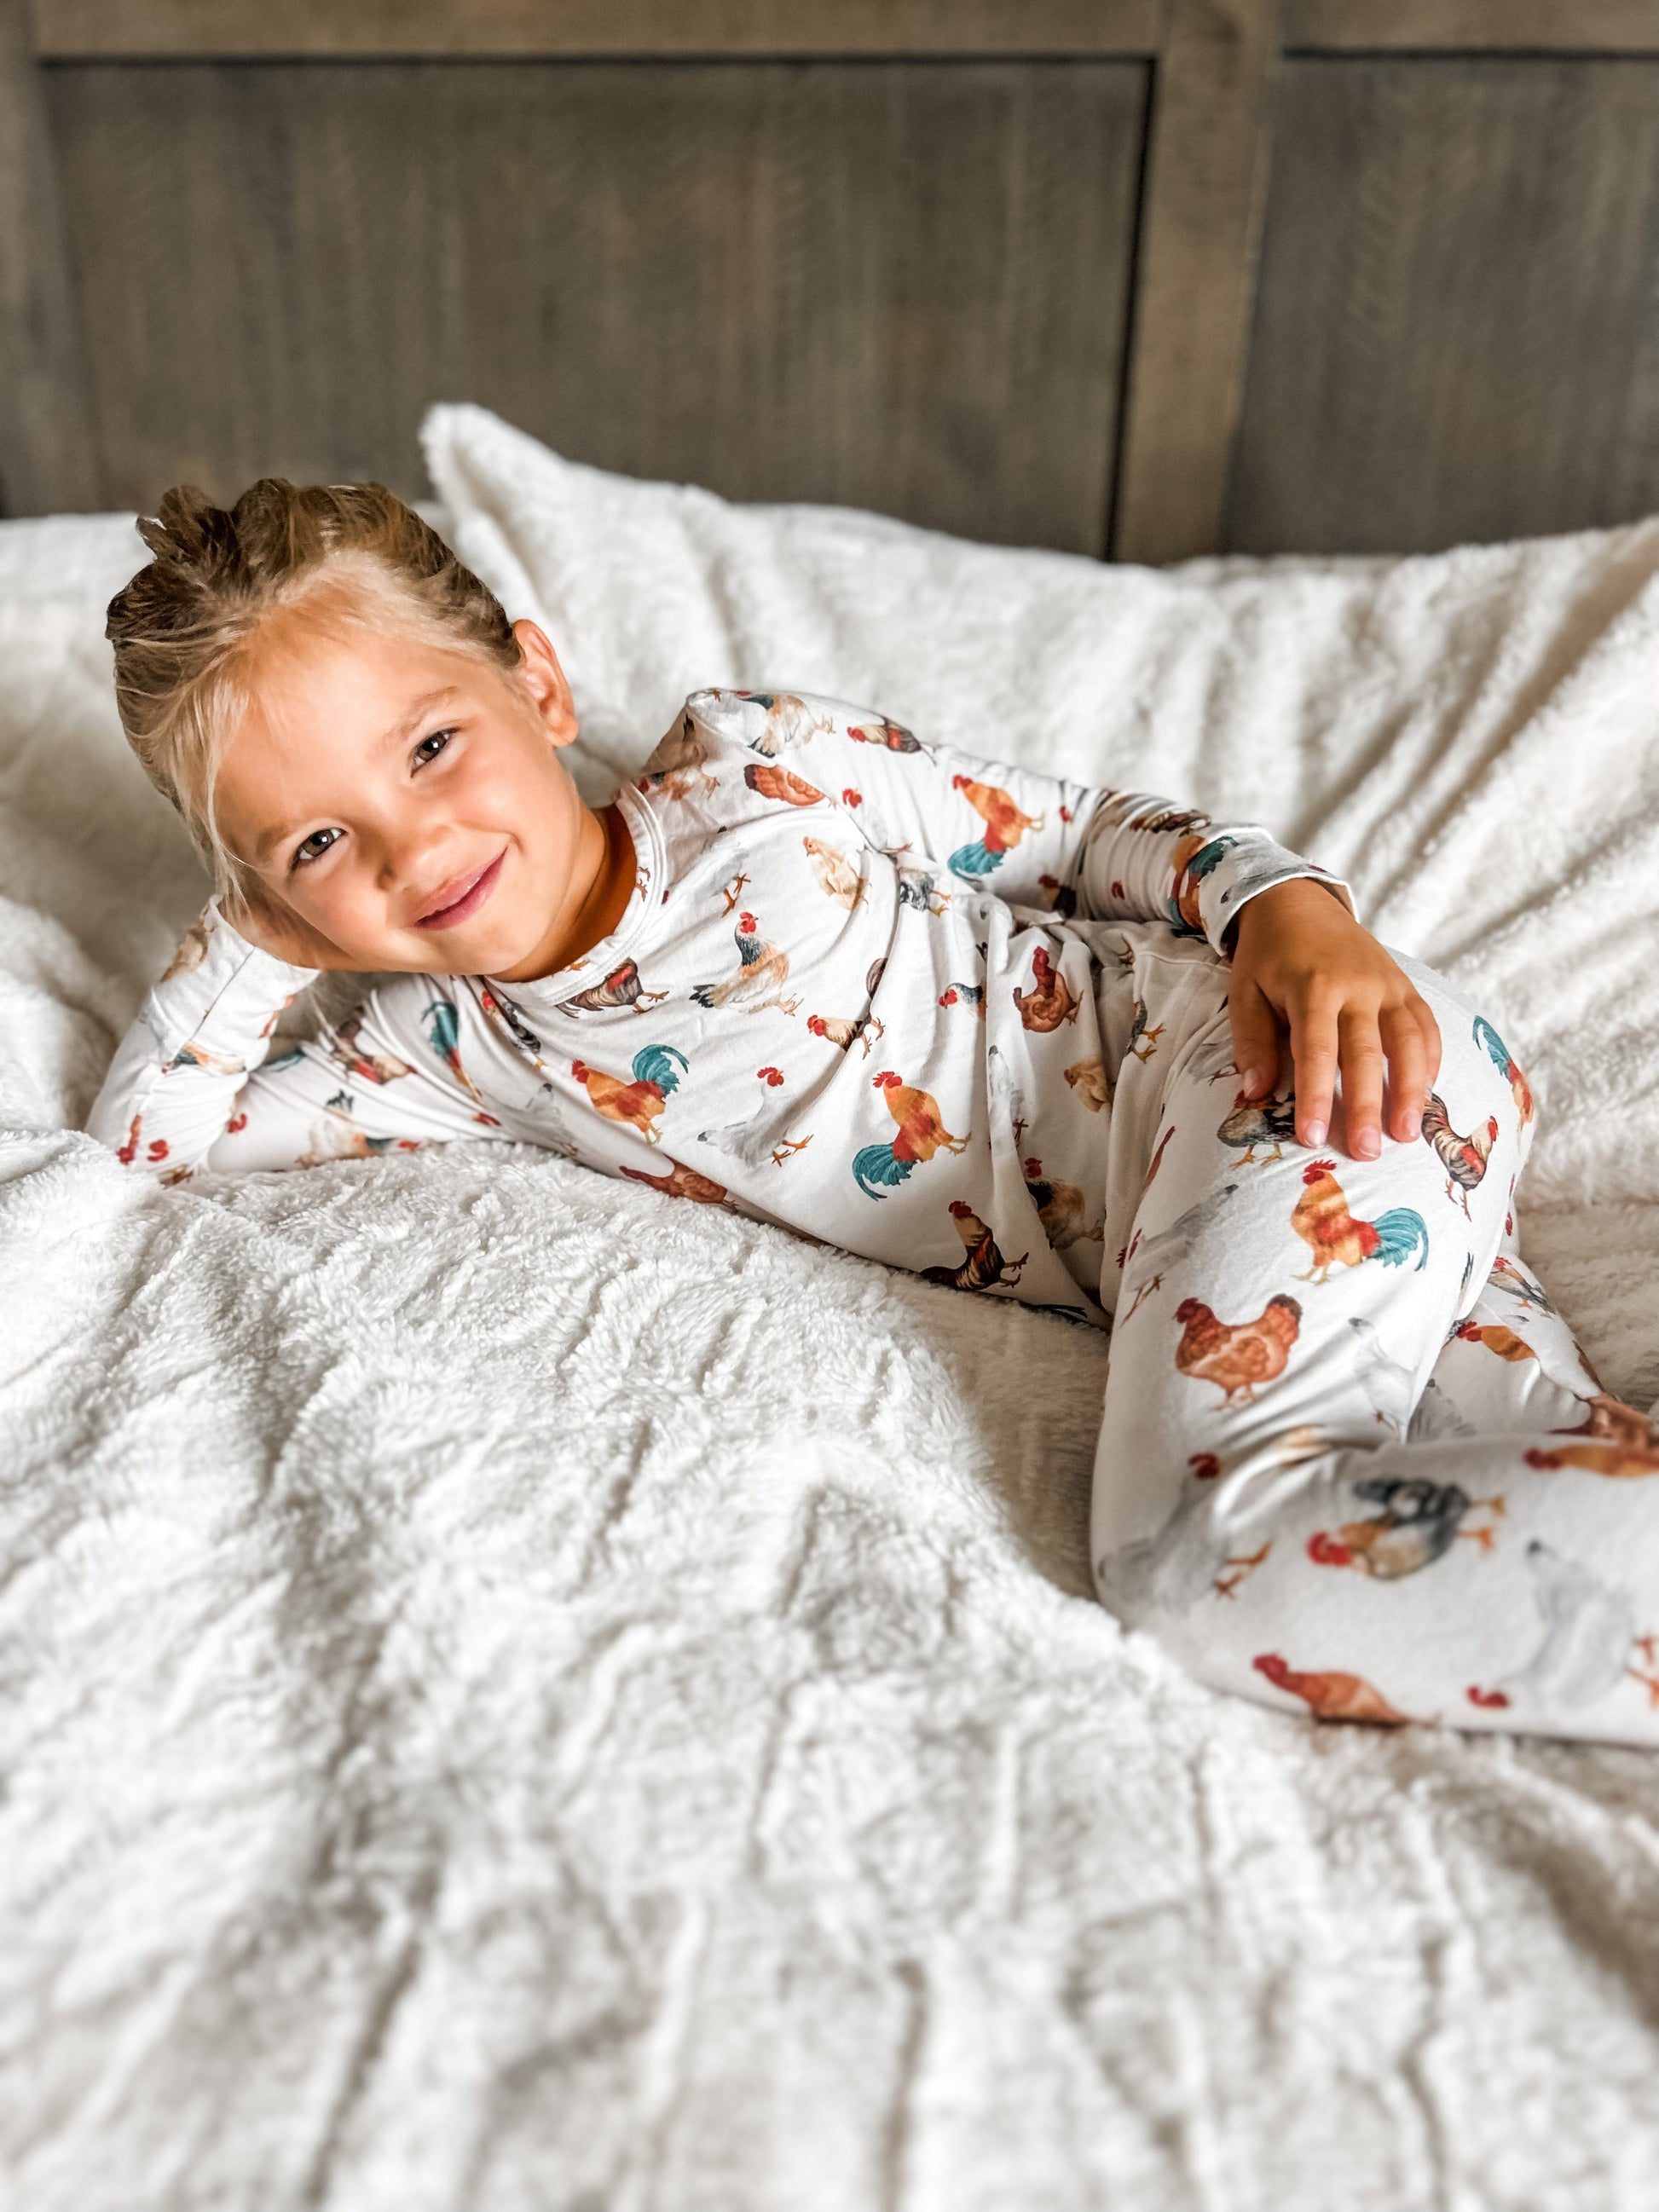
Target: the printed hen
(1237, 1357)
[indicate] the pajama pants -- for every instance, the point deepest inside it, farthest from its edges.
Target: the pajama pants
(1353, 1462)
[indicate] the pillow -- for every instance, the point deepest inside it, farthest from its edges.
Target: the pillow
(1468, 738)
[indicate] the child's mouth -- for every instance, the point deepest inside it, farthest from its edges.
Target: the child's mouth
(463, 895)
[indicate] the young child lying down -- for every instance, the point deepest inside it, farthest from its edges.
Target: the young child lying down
(1024, 1036)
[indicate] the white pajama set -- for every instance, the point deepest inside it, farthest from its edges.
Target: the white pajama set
(971, 1020)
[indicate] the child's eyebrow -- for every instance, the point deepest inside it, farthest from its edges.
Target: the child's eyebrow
(401, 728)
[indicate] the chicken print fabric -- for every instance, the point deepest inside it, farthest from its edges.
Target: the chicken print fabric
(971, 1021)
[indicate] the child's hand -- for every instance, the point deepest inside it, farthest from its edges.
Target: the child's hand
(1300, 958)
(265, 921)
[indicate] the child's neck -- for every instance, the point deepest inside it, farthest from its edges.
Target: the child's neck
(606, 866)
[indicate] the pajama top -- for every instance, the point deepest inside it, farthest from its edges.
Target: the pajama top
(854, 992)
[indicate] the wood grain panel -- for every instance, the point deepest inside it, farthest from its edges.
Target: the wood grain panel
(899, 286)
(86, 29)
(45, 449)
(1456, 333)
(1494, 26)
(1199, 229)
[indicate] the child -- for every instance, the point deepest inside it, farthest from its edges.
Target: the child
(1017, 1033)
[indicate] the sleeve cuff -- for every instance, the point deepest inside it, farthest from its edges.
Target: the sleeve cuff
(1248, 870)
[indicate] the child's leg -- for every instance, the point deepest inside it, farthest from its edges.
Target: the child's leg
(1272, 1501)
(1511, 1363)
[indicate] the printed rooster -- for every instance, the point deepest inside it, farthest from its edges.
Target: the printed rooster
(1005, 825)
(763, 970)
(1050, 1001)
(893, 735)
(1237, 1357)
(1060, 1206)
(656, 1075)
(1338, 1238)
(1417, 1522)
(621, 987)
(1260, 1121)
(838, 879)
(347, 1052)
(985, 1268)
(1464, 1159)
(682, 1181)
(1499, 1052)
(443, 1031)
(921, 1132)
(1194, 859)
(1331, 1697)
(782, 784)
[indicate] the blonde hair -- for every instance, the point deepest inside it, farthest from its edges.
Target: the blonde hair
(350, 556)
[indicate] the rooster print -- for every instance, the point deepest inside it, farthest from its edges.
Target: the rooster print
(838, 879)
(1004, 826)
(789, 721)
(1238, 1356)
(1049, 1001)
(763, 970)
(877, 1169)
(622, 986)
(1331, 1696)
(346, 1051)
(1262, 1122)
(1195, 858)
(1499, 1052)
(891, 735)
(444, 1034)
(1416, 1522)
(682, 1181)
(782, 784)
(1464, 1159)
(1338, 1238)
(637, 1099)
(984, 1268)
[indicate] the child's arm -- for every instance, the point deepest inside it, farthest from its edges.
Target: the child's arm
(172, 1086)
(189, 1087)
(1031, 839)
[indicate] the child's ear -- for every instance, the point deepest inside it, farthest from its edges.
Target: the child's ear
(539, 670)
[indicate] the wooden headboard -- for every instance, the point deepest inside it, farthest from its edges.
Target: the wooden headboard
(1137, 277)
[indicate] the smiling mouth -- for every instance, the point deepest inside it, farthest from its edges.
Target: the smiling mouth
(463, 895)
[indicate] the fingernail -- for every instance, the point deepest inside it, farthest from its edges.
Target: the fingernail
(1365, 1144)
(1315, 1133)
(1251, 1079)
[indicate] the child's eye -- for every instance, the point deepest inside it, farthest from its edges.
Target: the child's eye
(311, 847)
(438, 741)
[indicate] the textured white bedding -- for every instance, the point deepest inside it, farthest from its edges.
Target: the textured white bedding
(519, 1693)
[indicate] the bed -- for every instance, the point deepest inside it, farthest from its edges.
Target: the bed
(519, 1693)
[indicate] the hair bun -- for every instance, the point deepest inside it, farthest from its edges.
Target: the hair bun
(189, 530)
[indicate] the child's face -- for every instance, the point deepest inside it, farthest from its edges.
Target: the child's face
(438, 833)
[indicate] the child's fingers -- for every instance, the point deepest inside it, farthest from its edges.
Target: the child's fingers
(1407, 1049)
(1361, 1050)
(1256, 1037)
(1314, 1052)
(1430, 1033)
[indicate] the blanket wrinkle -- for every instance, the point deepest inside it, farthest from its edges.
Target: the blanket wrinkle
(514, 1675)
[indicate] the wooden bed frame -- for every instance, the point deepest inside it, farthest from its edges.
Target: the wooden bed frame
(1144, 278)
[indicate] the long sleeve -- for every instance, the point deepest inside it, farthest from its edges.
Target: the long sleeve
(1033, 839)
(172, 1087)
(190, 1087)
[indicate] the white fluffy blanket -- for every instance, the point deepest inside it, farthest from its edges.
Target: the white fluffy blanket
(521, 1693)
